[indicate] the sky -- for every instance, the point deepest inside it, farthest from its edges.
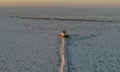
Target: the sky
(60, 3)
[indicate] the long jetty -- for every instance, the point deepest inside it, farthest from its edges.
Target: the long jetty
(60, 19)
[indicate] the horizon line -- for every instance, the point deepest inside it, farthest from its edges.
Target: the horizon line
(81, 6)
(57, 5)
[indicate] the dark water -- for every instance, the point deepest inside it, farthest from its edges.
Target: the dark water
(28, 45)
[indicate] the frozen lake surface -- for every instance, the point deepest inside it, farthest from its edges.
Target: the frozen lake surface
(29, 45)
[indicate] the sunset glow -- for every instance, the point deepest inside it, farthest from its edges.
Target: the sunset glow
(59, 2)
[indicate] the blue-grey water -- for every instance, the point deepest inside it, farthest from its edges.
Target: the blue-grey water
(29, 45)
